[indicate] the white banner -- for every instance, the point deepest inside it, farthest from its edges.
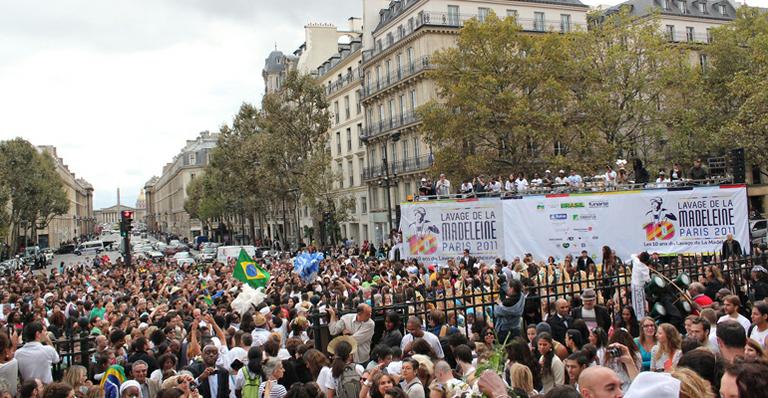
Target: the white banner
(434, 232)
(660, 220)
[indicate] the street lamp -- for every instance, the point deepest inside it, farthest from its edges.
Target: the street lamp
(395, 137)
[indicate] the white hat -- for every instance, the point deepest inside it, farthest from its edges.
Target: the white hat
(48, 295)
(423, 179)
(264, 311)
(561, 171)
(547, 171)
(654, 385)
(129, 383)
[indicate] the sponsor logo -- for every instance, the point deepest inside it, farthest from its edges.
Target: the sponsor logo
(571, 238)
(560, 216)
(566, 245)
(583, 245)
(598, 204)
(555, 239)
(588, 216)
(540, 207)
(595, 237)
(572, 205)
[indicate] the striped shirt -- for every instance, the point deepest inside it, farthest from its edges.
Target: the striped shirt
(278, 390)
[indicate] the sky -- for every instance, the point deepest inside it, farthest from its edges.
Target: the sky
(119, 86)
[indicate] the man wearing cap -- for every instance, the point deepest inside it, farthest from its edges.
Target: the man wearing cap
(594, 315)
(260, 333)
(561, 178)
(359, 325)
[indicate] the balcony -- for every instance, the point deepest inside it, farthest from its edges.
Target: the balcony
(396, 76)
(452, 20)
(681, 36)
(397, 167)
(350, 77)
(390, 124)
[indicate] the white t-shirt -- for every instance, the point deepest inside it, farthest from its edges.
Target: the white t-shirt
(741, 319)
(521, 185)
(759, 336)
(433, 341)
(325, 380)
(590, 317)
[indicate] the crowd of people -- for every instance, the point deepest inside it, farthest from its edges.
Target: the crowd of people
(610, 178)
(156, 330)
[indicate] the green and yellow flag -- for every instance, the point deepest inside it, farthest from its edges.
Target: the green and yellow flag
(247, 271)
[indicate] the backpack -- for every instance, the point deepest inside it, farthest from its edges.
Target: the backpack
(348, 385)
(251, 386)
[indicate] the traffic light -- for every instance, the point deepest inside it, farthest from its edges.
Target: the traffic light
(126, 218)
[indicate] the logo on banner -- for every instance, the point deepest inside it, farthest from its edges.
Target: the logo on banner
(598, 204)
(423, 233)
(661, 226)
(574, 205)
(555, 217)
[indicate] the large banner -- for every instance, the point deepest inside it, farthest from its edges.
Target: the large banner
(659, 220)
(434, 232)
(663, 221)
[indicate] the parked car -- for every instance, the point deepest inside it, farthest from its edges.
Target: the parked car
(183, 258)
(207, 255)
(90, 248)
(758, 229)
(66, 249)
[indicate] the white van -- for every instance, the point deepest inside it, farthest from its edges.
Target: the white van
(90, 248)
(223, 253)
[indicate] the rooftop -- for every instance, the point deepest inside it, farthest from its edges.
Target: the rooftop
(719, 9)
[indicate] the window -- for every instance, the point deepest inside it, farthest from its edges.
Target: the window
(378, 76)
(709, 35)
(565, 23)
(381, 114)
(372, 159)
(689, 33)
(453, 15)
(413, 100)
(361, 165)
(405, 149)
(402, 106)
(346, 107)
(538, 21)
(338, 143)
(392, 112)
(393, 153)
(192, 158)
(400, 32)
(415, 147)
(351, 170)
(387, 66)
(682, 7)
(399, 65)
(482, 13)
(670, 31)
(358, 105)
(664, 5)
(702, 7)
(336, 111)
(341, 174)
(721, 7)
(410, 57)
(349, 139)
(704, 62)
(359, 134)
(364, 205)
(512, 13)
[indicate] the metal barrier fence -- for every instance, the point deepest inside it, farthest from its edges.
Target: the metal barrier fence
(73, 350)
(545, 287)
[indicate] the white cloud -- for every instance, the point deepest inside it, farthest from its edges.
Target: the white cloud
(119, 86)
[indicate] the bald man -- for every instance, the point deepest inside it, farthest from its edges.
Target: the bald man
(599, 382)
(561, 321)
(358, 325)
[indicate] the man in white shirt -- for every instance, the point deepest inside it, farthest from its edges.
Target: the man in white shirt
(416, 331)
(574, 179)
(360, 326)
(561, 179)
(443, 186)
(731, 305)
(35, 359)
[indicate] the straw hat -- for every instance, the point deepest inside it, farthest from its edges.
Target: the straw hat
(349, 339)
(259, 319)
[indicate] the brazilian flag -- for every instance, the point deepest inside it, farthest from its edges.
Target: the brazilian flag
(247, 271)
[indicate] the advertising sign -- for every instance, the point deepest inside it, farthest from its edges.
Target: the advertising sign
(435, 232)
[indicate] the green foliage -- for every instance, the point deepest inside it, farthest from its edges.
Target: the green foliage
(31, 191)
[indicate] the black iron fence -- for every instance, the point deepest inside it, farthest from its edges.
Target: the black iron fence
(73, 350)
(546, 284)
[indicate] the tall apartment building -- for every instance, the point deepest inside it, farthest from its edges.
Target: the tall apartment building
(399, 40)
(341, 75)
(166, 194)
(79, 221)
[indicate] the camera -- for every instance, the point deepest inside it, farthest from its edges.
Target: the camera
(613, 351)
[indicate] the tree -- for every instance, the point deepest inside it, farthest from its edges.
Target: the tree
(502, 99)
(32, 188)
(738, 79)
(294, 149)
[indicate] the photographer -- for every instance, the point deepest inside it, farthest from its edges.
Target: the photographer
(623, 357)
